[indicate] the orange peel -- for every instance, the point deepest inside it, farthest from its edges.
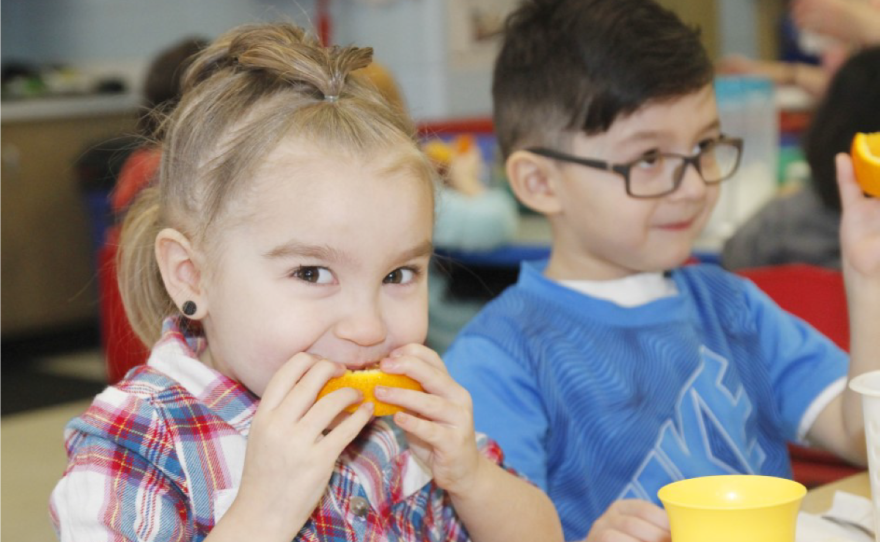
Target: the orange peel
(366, 381)
(865, 153)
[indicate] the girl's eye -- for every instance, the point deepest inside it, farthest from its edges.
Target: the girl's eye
(314, 275)
(403, 275)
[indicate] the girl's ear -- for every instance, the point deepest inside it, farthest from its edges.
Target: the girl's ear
(180, 271)
(533, 180)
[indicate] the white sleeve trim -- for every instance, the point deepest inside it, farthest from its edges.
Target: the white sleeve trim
(818, 405)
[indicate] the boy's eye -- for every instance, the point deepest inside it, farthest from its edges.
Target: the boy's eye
(649, 161)
(705, 144)
(402, 275)
(314, 275)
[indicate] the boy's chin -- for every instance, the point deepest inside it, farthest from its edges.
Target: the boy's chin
(672, 259)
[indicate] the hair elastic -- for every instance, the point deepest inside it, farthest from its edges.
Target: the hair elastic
(331, 98)
(189, 308)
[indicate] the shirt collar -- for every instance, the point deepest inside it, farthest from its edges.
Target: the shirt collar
(631, 291)
(176, 354)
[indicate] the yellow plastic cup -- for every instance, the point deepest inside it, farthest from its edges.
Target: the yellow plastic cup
(733, 508)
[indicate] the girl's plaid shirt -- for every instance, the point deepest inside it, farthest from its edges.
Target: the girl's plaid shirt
(159, 457)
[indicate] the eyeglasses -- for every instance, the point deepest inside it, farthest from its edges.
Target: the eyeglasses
(661, 173)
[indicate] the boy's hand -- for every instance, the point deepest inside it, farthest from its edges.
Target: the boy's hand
(292, 449)
(440, 423)
(860, 224)
(629, 521)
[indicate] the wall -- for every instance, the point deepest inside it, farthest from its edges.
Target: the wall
(76, 31)
(409, 37)
(119, 37)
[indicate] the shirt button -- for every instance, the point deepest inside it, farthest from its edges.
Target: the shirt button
(359, 506)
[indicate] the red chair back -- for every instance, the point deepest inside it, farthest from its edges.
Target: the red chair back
(816, 295)
(123, 349)
(813, 293)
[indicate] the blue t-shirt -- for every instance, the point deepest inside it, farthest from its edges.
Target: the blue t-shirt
(595, 402)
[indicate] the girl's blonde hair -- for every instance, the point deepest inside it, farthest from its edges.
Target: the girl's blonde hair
(241, 95)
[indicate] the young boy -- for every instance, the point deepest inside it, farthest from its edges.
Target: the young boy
(608, 370)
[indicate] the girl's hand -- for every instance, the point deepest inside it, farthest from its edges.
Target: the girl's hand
(291, 449)
(440, 423)
(860, 224)
(629, 520)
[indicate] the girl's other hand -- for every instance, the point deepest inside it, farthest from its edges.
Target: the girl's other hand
(439, 421)
(631, 520)
(292, 449)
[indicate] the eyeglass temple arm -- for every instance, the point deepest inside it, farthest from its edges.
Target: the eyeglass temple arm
(556, 155)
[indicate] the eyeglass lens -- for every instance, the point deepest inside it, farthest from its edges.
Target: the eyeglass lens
(662, 173)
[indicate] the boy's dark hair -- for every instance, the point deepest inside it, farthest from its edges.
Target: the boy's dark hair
(849, 106)
(577, 65)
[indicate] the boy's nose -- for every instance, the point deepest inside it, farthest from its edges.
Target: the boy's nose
(362, 324)
(692, 184)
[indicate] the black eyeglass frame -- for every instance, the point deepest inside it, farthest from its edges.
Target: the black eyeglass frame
(623, 169)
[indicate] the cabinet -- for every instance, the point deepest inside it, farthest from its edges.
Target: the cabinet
(47, 265)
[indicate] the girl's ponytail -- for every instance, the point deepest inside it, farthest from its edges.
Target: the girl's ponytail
(283, 53)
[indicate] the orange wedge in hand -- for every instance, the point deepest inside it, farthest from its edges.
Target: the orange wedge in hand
(365, 381)
(866, 162)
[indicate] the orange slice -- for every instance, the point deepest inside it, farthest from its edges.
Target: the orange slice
(366, 381)
(866, 162)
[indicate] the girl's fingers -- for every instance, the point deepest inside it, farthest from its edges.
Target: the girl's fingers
(321, 415)
(298, 401)
(431, 407)
(341, 436)
(285, 379)
(430, 432)
(422, 352)
(425, 367)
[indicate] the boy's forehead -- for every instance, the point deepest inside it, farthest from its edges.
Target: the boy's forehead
(695, 112)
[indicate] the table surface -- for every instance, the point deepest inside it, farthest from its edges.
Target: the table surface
(819, 499)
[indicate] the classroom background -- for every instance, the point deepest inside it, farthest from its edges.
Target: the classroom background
(73, 73)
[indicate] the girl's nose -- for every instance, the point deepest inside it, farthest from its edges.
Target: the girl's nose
(362, 324)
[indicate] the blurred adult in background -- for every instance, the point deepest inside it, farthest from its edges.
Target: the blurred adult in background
(833, 28)
(849, 21)
(803, 227)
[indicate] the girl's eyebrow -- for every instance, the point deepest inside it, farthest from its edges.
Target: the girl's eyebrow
(296, 249)
(421, 250)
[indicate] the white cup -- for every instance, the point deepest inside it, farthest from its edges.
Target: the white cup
(868, 385)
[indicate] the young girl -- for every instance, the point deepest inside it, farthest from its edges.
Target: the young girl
(287, 239)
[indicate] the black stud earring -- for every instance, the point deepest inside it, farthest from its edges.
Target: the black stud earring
(189, 308)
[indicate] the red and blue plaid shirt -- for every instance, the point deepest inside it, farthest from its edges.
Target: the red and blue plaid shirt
(159, 457)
